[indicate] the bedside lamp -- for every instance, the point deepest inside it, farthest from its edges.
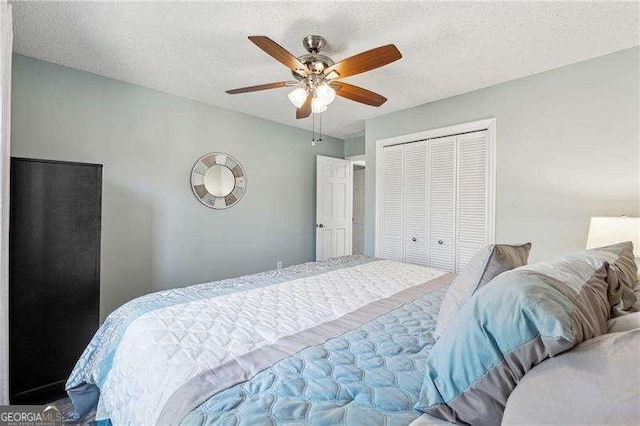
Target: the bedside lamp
(604, 231)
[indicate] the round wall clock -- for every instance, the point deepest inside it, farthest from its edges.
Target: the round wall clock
(218, 180)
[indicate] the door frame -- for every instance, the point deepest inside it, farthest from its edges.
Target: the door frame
(356, 160)
(488, 124)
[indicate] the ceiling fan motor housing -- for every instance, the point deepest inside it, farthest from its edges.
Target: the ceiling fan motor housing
(316, 62)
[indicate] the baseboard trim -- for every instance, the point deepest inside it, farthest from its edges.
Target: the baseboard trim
(41, 394)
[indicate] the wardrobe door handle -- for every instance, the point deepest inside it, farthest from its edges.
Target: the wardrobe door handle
(440, 242)
(414, 239)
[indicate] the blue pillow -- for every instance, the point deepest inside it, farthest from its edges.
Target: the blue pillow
(520, 318)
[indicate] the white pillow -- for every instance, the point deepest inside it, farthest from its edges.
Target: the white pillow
(595, 383)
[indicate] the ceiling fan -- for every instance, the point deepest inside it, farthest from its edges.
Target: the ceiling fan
(317, 74)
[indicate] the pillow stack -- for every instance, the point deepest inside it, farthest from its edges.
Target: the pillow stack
(520, 318)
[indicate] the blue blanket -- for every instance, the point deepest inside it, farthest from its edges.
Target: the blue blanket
(371, 376)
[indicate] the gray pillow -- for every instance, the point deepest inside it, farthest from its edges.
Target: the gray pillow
(488, 263)
(622, 279)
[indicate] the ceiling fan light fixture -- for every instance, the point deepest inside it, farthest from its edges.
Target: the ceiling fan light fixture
(317, 106)
(298, 96)
(325, 94)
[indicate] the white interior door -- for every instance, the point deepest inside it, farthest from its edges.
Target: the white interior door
(391, 243)
(415, 203)
(334, 192)
(473, 197)
(442, 203)
(358, 211)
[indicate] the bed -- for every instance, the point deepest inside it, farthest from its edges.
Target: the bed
(350, 341)
(342, 341)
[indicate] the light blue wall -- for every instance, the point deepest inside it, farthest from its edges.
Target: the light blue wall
(567, 149)
(155, 234)
(354, 146)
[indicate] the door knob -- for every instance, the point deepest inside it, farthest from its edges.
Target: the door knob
(440, 242)
(320, 225)
(414, 239)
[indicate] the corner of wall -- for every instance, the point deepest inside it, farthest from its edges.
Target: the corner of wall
(354, 146)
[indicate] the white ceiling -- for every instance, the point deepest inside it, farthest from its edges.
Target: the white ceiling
(198, 50)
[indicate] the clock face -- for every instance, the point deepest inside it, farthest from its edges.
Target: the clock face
(218, 180)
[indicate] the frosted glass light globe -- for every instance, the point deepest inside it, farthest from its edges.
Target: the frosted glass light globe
(325, 94)
(298, 96)
(317, 106)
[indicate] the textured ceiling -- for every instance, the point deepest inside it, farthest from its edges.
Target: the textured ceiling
(198, 50)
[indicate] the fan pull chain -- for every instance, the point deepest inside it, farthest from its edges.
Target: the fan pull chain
(313, 131)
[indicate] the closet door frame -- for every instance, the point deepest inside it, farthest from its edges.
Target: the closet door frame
(488, 124)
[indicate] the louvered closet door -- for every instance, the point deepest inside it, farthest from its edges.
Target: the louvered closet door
(442, 204)
(392, 203)
(415, 203)
(472, 195)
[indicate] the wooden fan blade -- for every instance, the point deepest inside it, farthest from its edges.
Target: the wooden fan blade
(280, 54)
(366, 61)
(358, 94)
(305, 110)
(261, 87)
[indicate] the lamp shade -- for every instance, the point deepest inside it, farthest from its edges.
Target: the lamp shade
(604, 231)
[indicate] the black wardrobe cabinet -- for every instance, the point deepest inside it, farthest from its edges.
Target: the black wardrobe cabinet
(54, 273)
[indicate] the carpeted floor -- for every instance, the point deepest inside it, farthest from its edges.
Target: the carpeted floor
(66, 408)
